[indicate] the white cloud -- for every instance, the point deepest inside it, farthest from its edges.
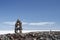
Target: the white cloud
(9, 23)
(24, 31)
(13, 23)
(32, 23)
(42, 23)
(24, 23)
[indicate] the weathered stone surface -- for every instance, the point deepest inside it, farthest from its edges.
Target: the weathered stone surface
(32, 36)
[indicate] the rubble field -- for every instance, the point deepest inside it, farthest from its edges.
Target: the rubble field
(53, 35)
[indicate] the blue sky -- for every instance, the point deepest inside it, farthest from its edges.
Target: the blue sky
(34, 14)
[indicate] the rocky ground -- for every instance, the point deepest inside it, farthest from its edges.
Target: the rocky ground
(54, 35)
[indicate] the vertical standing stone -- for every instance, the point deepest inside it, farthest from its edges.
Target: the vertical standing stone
(18, 26)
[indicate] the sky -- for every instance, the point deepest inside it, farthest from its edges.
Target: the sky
(34, 14)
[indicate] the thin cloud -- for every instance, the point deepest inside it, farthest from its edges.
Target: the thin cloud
(42, 23)
(9, 23)
(24, 23)
(31, 24)
(13, 23)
